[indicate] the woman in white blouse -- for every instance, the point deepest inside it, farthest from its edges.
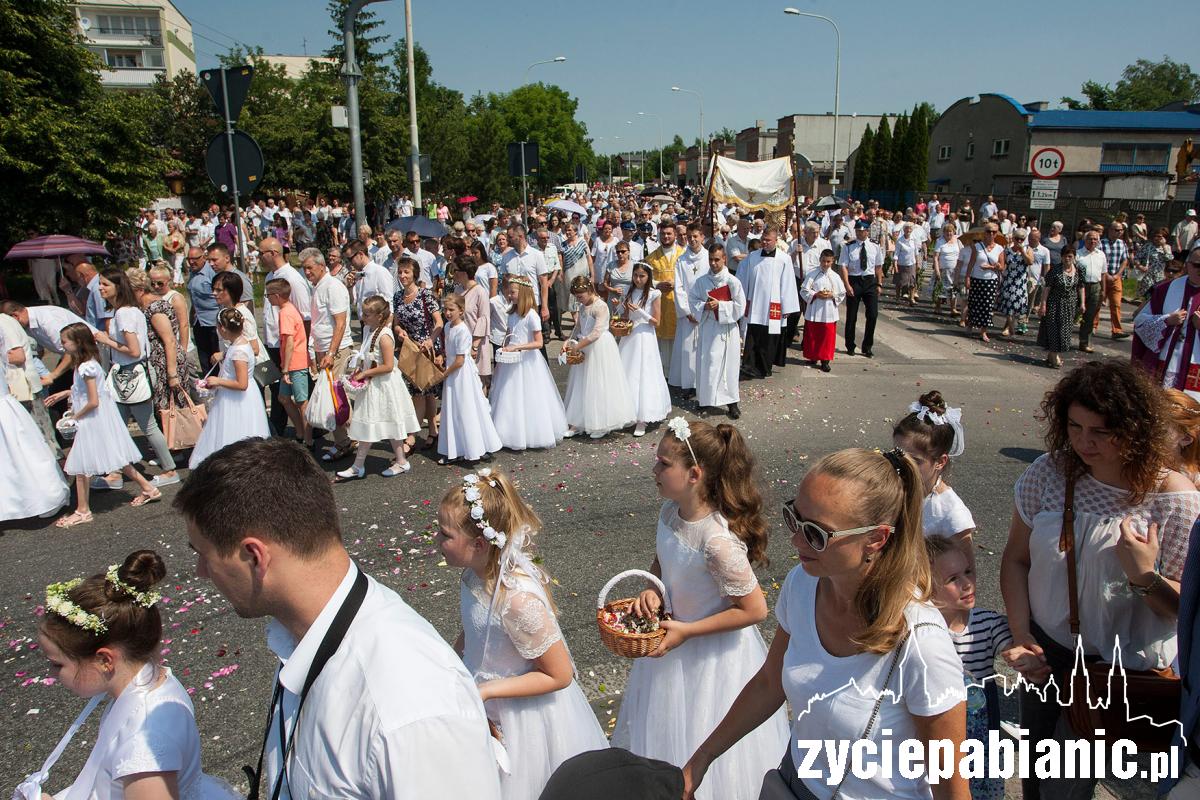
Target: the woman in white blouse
(1107, 438)
(855, 609)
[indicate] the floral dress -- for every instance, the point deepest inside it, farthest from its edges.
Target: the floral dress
(158, 357)
(1155, 260)
(416, 318)
(1014, 291)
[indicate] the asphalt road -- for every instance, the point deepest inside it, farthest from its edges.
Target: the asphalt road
(596, 498)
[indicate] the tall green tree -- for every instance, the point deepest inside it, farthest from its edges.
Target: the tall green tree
(1144, 86)
(923, 127)
(73, 157)
(863, 160)
(367, 43)
(546, 115)
(898, 160)
(882, 157)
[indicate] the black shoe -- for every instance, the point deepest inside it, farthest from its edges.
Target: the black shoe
(825, 367)
(1121, 335)
(849, 351)
(688, 394)
(734, 411)
(868, 354)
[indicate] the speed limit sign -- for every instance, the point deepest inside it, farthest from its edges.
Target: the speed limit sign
(1047, 163)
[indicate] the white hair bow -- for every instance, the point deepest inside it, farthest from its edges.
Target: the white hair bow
(952, 417)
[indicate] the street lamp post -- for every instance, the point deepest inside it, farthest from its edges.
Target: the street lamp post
(660, 140)
(555, 60)
(700, 164)
(837, 87)
(352, 74)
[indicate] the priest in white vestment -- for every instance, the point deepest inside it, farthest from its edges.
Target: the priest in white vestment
(721, 303)
(771, 295)
(688, 267)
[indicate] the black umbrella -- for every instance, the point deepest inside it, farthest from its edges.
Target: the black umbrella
(650, 191)
(424, 227)
(829, 201)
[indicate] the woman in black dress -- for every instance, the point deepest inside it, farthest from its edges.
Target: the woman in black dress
(1062, 296)
(418, 318)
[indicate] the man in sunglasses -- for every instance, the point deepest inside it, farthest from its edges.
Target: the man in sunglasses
(204, 305)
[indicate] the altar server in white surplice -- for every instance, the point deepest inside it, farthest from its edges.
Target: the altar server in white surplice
(720, 302)
(691, 264)
(771, 295)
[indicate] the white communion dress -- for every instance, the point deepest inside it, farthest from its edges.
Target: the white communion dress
(384, 410)
(674, 702)
(598, 399)
(102, 443)
(526, 406)
(540, 732)
(30, 480)
(234, 414)
(467, 430)
(643, 363)
(150, 727)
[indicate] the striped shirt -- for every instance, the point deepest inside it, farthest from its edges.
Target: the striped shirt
(978, 645)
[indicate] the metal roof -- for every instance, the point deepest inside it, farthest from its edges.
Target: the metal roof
(1117, 120)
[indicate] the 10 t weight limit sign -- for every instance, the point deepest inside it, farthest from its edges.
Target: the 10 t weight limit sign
(1047, 163)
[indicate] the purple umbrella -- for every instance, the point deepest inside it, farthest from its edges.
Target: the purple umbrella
(54, 245)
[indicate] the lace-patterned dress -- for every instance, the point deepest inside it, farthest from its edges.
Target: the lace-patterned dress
(539, 732)
(598, 399)
(235, 414)
(673, 703)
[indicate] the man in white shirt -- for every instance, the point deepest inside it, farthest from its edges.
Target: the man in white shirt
(637, 252)
(389, 710)
(330, 340)
(424, 258)
(806, 256)
(395, 247)
(554, 277)
(988, 209)
(270, 254)
(861, 265)
(1092, 264)
(525, 260)
(370, 279)
(1185, 235)
(1040, 265)
(737, 246)
(406, 207)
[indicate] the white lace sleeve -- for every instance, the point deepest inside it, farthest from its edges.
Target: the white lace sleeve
(1151, 329)
(725, 558)
(242, 353)
(529, 623)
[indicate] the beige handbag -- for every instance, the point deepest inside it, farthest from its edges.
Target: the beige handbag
(181, 426)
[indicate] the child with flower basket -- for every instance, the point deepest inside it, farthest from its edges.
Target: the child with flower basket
(710, 530)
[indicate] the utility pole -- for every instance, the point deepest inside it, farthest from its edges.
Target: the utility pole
(414, 168)
(237, 208)
(352, 73)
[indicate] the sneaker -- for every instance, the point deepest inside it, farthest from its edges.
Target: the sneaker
(640, 430)
(161, 480)
(396, 469)
(100, 484)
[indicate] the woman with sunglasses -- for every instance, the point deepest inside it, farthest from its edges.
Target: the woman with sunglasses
(619, 279)
(856, 608)
(169, 363)
(160, 284)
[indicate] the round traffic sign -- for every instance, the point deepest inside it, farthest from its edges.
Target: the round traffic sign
(1047, 162)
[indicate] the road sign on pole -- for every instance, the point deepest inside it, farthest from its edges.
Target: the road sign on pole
(228, 87)
(243, 174)
(235, 83)
(1047, 162)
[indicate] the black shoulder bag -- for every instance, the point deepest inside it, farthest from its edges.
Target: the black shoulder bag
(329, 645)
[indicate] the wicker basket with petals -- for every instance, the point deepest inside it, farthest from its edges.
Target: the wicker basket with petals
(624, 643)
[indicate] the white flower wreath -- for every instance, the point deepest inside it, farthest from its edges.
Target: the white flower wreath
(58, 602)
(473, 497)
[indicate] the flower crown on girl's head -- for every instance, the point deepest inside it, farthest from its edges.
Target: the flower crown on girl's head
(679, 426)
(475, 499)
(58, 601)
(521, 280)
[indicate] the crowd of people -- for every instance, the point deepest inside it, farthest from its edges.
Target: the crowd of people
(653, 305)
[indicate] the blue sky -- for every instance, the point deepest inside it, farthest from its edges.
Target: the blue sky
(747, 58)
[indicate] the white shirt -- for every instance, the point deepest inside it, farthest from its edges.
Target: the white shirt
(928, 681)
(822, 309)
(129, 319)
(636, 251)
(424, 260)
(375, 281)
(604, 257)
(301, 298)
(851, 260)
(329, 297)
(1092, 265)
(906, 250)
(379, 253)
(986, 261)
(987, 211)
(47, 322)
(947, 256)
(945, 514)
(393, 714)
(1041, 262)
(735, 246)
(528, 263)
(807, 257)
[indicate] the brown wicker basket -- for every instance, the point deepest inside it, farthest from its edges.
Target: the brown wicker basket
(574, 357)
(628, 645)
(620, 327)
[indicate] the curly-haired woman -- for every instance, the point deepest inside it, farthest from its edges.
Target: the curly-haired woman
(1108, 442)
